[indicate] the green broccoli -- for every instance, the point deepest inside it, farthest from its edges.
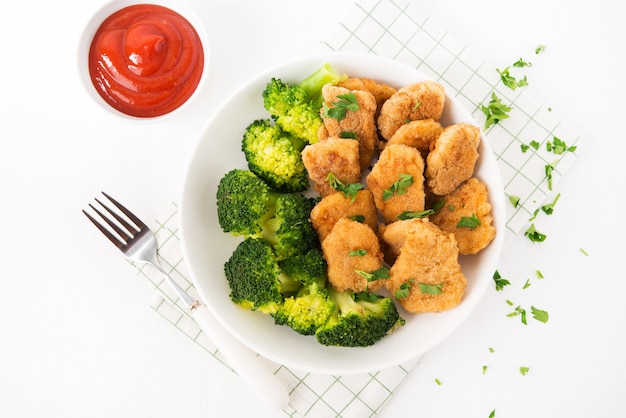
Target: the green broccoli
(244, 203)
(246, 206)
(306, 267)
(274, 156)
(359, 320)
(289, 230)
(306, 311)
(296, 107)
(255, 279)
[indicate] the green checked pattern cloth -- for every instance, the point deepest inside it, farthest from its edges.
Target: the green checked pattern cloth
(395, 29)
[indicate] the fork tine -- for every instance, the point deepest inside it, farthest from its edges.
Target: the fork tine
(126, 235)
(126, 212)
(115, 240)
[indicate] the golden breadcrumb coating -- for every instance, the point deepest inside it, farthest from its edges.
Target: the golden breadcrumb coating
(360, 122)
(336, 155)
(452, 158)
(394, 161)
(421, 100)
(393, 235)
(428, 258)
(380, 91)
(469, 199)
(347, 236)
(336, 206)
(417, 134)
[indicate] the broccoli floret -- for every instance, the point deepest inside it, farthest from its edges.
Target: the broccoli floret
(274, 156)
(309, 267)
(307, 311)
(296, 107)
(247, 207)
(244, 203)
(289, 230)
(359, 320)
(256, 280)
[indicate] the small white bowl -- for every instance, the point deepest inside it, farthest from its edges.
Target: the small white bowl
(94, 24)
(206, 247)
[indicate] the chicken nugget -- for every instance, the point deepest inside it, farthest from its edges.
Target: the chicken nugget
(452, 158)
(469, 202)
(360, 123)
(336, 206)
(421, 100)
(350, 248)
(380, 91)
(427, 276)
(333, 155)
(417, 134)
(397, 181)
(392, 236)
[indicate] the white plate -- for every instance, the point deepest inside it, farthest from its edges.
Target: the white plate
(206, 247)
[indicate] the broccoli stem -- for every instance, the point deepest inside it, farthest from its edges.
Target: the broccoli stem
(313, 83)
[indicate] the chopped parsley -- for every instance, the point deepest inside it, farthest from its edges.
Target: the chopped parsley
(348, 190)
(514, 200)
(347, 135)
(438, 382)
(539, 274)
(500, 282)
(534, 235)
(416, 215)
(492, 414)
(584, 252)
(495, 111)
(404, 289)
(532, 144)
(399, 187)
(558, 146)
(357, 253)
(347, 102)
(540, 49)
(471, 222)
(523, 370)
(521, 63)
(548, 209)
(431, 289)
(357, 218)
(518, 311)
(507, 78)
(539, 314)
(381, 273)
(527, 284)
(549, 168)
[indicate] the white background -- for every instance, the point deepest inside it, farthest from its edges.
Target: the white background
(77, 336)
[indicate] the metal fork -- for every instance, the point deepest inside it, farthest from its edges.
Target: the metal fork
(138, 243)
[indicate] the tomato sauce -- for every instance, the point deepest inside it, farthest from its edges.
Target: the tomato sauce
(146, 60)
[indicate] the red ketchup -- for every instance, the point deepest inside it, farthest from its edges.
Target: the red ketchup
(146, 60)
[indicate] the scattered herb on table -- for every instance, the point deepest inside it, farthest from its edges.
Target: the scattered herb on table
(523, 370)
(514, 200)
(539, 314)
(540, 49)
(495, 111)
(500, 282)
(534, 235)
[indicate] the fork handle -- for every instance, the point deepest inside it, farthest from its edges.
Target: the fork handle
(244, 361)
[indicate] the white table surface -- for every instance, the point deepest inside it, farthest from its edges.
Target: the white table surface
(77, 336)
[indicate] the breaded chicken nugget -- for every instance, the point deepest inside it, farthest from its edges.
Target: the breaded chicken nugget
(349, 248)
(417, 134)
(397, 181)
(334, 155)
(452, 158)
(336, 206)
(380, 91)
(421, 100)
(360, 122)
(428, 265)
(392, 236)
(470, 200)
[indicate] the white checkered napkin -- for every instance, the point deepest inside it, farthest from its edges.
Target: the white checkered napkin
(395, 29)
(311, 395)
